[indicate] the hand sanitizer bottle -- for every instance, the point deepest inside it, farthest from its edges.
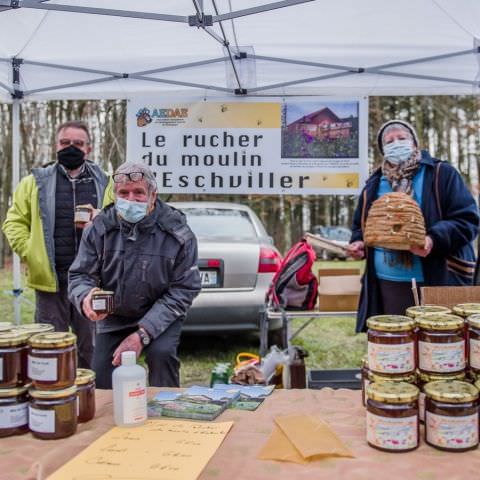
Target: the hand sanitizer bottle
(129, 382)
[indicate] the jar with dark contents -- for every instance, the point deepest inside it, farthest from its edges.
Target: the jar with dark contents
(376, 378)
(464, 310)
(441, 343)
(473, 322)
(392, 416)
(451, 415)
(13, 359)
(102, 301)
(83, 214)
(52, 360)
(424, 378)
(53, 413)
(14, 411)
(420, 310)
(34, 328)
(391, 344)
(85, 383)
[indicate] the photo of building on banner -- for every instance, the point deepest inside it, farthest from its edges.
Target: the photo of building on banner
(295, 145)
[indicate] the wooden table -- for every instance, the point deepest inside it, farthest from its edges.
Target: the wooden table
(24, 457)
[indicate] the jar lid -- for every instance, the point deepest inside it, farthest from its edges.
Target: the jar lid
(51, 394)
(440, 321)
(474, 320)
(416, 311)
(392, 392)
(83, 207)
(33, 328)
(466, 309)
(84, 375)
(390, 323)
(6, 326)
(453, 391)
(375, 377)
(53, 339)
(13, 392)
(102, 292)
(13, 338)
(435, 377)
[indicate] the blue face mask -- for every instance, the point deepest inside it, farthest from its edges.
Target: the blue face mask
(398, 152)
(131, 212)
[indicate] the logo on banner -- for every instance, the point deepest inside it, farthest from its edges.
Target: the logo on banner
(162, 116)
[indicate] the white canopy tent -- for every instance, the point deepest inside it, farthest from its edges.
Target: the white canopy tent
(75, 49)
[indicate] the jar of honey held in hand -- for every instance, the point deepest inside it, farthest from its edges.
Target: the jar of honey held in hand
(83, 214)
(52, 360)
(102, 301)
(441, 343)
(451, 415)
(417, 311)
(391, 344)
(392, 416)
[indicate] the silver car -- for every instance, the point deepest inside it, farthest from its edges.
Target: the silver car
(237, 261)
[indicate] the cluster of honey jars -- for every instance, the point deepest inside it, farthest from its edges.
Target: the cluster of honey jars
(420, 368)
(41, 389)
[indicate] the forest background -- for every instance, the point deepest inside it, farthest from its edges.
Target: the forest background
(448, 126)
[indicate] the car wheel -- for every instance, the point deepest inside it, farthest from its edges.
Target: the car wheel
(278, 337)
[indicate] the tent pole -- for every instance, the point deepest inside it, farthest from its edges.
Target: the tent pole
(17, 285)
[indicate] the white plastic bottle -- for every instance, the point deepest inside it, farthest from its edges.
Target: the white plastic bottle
(129, 382)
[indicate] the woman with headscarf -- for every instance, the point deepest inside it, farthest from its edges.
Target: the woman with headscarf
(451, 221)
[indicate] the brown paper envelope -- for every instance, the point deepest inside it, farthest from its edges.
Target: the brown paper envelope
(279, 447)
(312, 436)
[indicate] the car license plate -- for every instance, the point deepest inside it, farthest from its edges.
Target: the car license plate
(209, 278)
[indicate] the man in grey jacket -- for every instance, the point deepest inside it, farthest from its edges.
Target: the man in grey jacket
(143, 251)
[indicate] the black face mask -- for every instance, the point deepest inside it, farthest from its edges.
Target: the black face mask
(71, 157)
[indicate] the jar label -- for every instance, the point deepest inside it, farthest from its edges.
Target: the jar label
(99, 304)
(41, 421)
(82, 216)
(421, 406)
(366, 383)
(134, 402)
(441, 357)
(398, 358)
(14, 415)
(475, 353)
(452, 432)
(392, 433)
(42, 368)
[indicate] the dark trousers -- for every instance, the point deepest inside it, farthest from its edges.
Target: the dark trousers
(56, 309)
(396, 296)
(161, 356)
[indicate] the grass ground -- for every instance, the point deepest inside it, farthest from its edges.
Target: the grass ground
(331, 342)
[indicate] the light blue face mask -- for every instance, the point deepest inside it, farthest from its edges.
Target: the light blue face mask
(398, 152)
(131, 212)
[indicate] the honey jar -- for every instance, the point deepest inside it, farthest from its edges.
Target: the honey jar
(85, 383)
(102, 301)
(441, 343)
(52, 360)
(473, 322)
(376, 378)
(392, 416)
(13, 411)
(391, 344)
(53, 413)
(34, 328)
(466, 309)
(419, 310)
(424, 378)
(13, 359)
(83, 214)
(451, 415)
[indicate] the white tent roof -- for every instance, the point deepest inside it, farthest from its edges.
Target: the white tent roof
(356, 42)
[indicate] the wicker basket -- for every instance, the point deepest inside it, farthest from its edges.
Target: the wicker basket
(395, 221)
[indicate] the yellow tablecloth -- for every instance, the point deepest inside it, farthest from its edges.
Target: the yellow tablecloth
(24, 457)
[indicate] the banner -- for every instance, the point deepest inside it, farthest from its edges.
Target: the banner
(292, 145)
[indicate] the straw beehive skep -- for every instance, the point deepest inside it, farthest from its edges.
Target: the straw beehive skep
(395, 221)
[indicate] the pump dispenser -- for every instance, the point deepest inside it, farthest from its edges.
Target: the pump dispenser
(129, 382)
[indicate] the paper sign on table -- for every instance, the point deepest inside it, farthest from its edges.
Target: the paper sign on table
(160, 449)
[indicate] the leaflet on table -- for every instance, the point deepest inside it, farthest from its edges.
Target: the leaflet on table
(251, 396)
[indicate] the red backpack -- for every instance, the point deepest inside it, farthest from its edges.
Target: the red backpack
(294, 286)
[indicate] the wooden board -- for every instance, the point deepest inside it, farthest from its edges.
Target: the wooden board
(450, 296)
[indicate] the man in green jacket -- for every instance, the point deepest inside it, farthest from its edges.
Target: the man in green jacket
(41, 230)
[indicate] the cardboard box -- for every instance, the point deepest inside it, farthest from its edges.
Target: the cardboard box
(338, 290)
(450, 296)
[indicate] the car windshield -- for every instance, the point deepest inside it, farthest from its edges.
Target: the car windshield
(220, 223)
